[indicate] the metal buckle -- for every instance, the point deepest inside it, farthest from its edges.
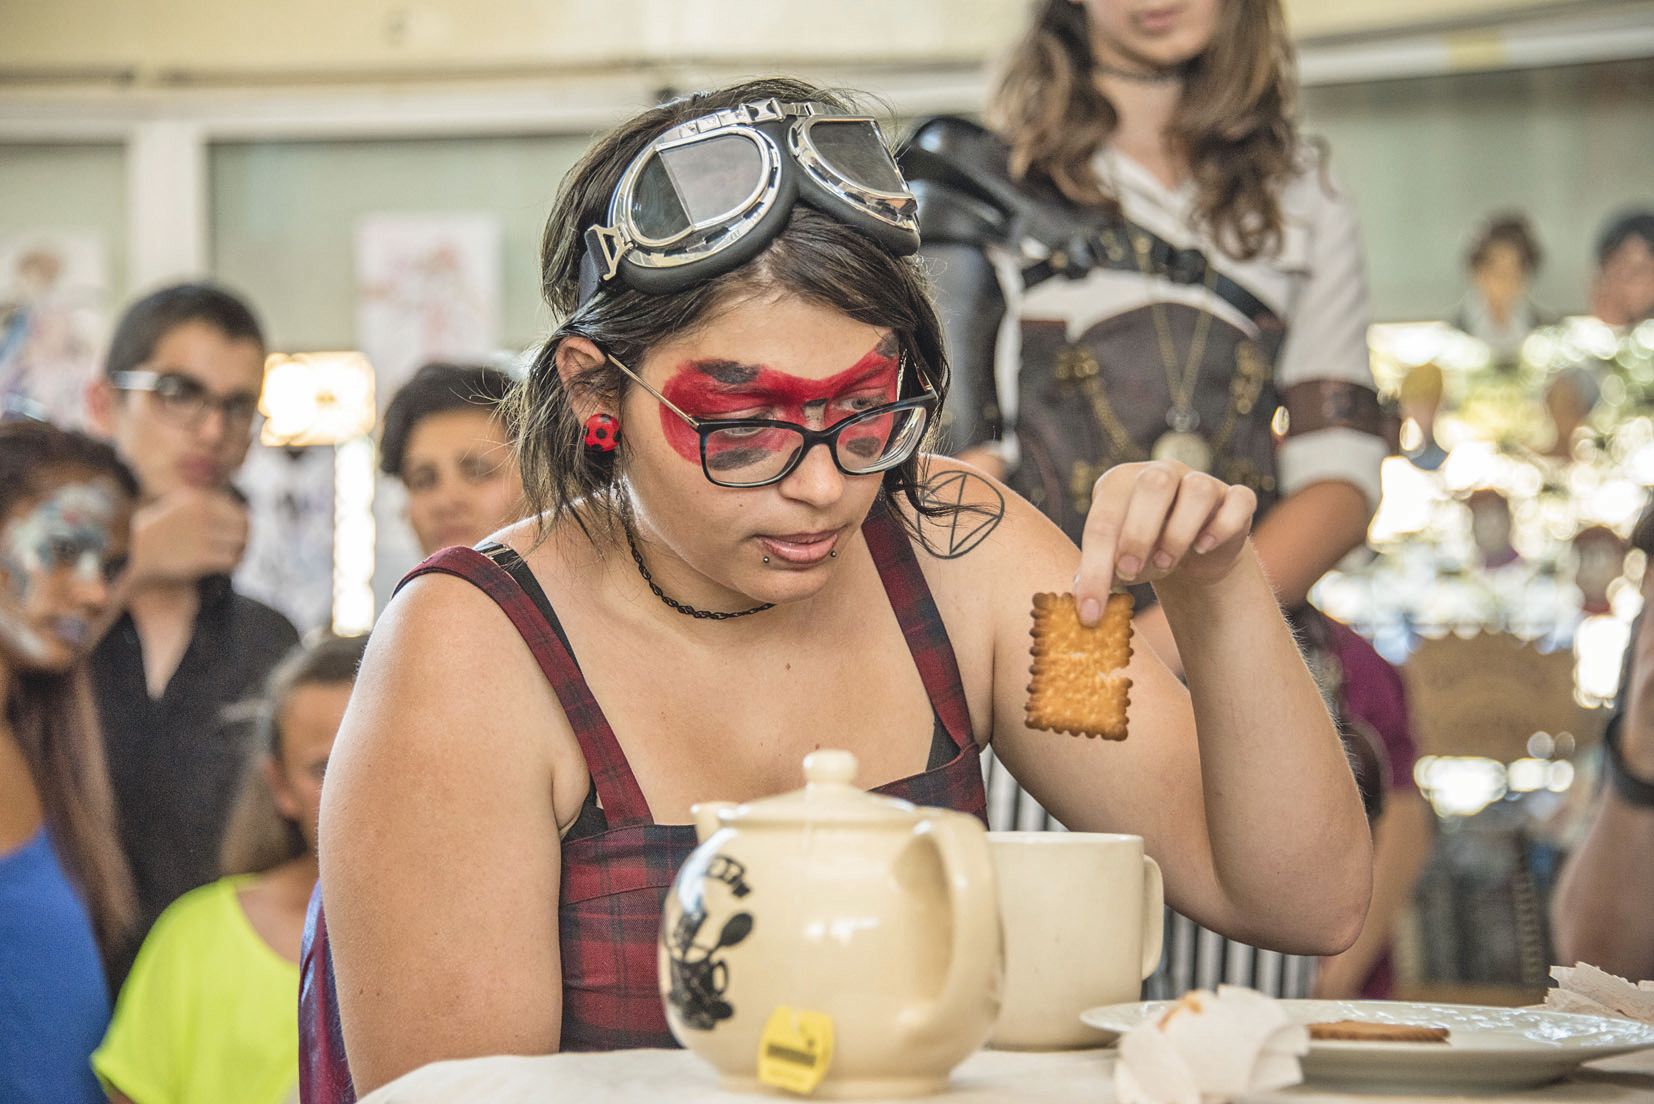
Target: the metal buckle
(608, 245)
(1185, 266)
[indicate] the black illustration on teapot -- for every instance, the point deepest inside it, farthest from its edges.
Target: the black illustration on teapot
(700, 976)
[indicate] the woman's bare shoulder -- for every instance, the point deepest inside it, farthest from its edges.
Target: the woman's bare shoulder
(435, 618)
(447, 671)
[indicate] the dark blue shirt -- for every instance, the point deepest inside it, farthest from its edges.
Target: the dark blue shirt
(54, 1002)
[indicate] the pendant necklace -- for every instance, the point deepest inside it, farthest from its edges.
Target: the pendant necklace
(1180, 442)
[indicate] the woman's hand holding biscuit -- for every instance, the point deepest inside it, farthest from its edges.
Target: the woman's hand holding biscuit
(1157, 520)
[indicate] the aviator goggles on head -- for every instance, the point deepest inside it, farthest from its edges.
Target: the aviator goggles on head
(707, 196)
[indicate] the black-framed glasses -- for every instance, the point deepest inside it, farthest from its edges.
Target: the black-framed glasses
(186, 401)
(755, 452)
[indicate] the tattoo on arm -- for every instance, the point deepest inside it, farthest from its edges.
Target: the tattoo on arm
(971, 508)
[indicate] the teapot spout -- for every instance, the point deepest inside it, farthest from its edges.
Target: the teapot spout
(705, 815)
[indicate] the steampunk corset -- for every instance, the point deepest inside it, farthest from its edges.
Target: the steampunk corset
(1101, 398)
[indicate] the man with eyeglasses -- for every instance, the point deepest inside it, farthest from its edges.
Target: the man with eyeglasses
(179, 400)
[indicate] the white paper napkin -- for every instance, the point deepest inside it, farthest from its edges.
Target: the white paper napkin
(1209, 1048)
(1584, 988)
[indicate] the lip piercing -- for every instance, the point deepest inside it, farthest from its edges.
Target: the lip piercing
(833, 554)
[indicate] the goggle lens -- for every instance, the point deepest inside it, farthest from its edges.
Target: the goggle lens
(854, 150)
(656, 210)
(696, 184)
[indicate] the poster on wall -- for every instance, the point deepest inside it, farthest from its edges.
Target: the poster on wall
(428, 287)
(54, 293)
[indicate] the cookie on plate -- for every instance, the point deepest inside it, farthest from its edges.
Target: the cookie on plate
(1367, 1031)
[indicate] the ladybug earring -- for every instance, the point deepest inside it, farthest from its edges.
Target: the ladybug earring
(602, 436)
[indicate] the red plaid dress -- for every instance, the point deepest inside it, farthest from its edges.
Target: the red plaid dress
(617, 862)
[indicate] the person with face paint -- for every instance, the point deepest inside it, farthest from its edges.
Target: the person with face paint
(1142, 260)
(207, 1013)
(66, 903)
(736, 553)
(179, 401)
(444, 437)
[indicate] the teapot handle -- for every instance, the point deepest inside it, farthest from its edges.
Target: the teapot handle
(1154, 919)
(977, 949)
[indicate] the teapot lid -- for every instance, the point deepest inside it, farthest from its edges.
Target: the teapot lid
(829, 794)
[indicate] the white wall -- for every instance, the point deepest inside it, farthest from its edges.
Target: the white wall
(171, 40)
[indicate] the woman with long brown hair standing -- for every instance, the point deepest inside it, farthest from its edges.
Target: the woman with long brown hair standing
(66, 902)
(1143, 259)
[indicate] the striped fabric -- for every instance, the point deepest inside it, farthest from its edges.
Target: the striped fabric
(614, 883)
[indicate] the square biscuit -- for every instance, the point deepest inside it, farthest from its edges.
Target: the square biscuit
(1079, 685)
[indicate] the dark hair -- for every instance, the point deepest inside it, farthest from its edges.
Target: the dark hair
(1509, 228)
(157, 314)
(51, 713)
(258, 837)
(1642, 533)
(1234, 123)
(1622, 228)
(816, 258)
(436, 389)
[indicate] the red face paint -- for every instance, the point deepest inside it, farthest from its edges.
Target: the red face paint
(720, 389)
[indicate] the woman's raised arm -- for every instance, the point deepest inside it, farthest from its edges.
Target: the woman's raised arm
(1239, 785)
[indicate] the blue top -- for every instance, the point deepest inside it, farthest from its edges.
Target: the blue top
(54, 1002)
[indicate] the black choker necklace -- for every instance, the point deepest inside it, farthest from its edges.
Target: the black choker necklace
(682, 607)
(1152, 76)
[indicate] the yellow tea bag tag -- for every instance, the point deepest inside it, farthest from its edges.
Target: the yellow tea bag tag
(795, 1049)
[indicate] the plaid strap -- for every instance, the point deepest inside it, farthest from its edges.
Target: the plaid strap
(617, 788)
(926, 636)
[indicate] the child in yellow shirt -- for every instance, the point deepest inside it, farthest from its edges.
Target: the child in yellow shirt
(209, 1012)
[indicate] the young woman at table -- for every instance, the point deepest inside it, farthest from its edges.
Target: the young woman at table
(740, 542)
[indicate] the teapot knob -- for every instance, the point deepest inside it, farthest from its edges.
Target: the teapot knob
(830, 766)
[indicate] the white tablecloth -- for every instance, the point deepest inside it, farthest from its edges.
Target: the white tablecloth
(988, 1077)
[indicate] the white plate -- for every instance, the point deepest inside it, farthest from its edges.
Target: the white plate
(1486, 1047)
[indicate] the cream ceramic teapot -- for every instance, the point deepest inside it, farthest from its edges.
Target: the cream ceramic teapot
(832, 929)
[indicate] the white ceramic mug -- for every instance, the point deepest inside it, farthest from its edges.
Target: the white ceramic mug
(1082, 917)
